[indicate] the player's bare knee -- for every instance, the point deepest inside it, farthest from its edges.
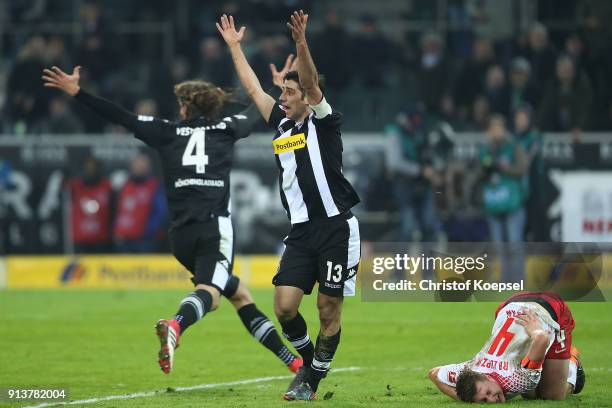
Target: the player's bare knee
(285, 311)
(242, 297)
(285, 308)
(328, 306)
(329, 313)
(327, 316)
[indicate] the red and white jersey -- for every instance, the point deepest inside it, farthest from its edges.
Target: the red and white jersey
(501, 356)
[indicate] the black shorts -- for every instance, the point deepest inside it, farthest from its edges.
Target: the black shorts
(206, 249)
(325, 251)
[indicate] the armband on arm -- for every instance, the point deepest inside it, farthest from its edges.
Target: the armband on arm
(322, 109)
(531, 364)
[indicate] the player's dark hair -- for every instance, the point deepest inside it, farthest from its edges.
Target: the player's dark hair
(294, 76)
(201, 98)
(466, 385)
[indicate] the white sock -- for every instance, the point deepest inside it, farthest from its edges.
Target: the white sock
(571, 375)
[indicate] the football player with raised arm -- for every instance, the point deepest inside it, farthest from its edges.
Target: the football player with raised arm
(323, 244)
(196, 154)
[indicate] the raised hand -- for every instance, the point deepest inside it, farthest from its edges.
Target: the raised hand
(279, 76)
(228, 30)
(56, 78)
(298, 26)
(530, 321)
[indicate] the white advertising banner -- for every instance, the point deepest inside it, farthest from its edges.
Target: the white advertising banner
(586, 206)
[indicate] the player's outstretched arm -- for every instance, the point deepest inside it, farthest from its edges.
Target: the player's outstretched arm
(247, 76)
(539, 339)
(309, 80)
(445, 388)
(70, 84)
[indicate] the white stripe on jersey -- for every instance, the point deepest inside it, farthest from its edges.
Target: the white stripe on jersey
(354, 243)
(290, 186)
(226, 247)
(220, 276)
(354, 255)
(226, 234)
(317, 166)
(349, 286)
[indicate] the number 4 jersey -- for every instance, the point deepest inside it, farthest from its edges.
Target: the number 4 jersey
(501, 356)
(196, 155)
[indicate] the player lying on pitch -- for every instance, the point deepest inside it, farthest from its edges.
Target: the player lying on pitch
(529, 352)
(196, 154)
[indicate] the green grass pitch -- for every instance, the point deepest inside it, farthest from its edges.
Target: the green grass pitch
(101, 343)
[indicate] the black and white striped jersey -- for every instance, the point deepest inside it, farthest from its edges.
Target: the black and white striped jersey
(309, 159)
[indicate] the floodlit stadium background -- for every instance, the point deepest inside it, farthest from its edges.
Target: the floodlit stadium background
(444, 64)
(450, 63)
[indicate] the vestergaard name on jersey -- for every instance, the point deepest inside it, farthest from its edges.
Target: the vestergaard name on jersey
(187, 131)
(198, 182)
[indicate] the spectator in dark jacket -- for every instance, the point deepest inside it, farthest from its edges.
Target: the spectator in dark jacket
(596, 63)
(567, 100)
(470, 82)
(432, 73)
(26, 100)
(61, 119)
(541, 54)
(272, 50)
(521, 90)
(216, 64)
(95, 50)
(162, 83)
(409, 162)
(496, 90)
(332, 52)
(479, 119)
(372, 52)
(531, 142)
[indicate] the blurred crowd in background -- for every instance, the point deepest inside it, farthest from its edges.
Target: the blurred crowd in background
(463, 59)
(412, 71)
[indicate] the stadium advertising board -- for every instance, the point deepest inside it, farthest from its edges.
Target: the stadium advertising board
(120, 272)
(586, 203)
